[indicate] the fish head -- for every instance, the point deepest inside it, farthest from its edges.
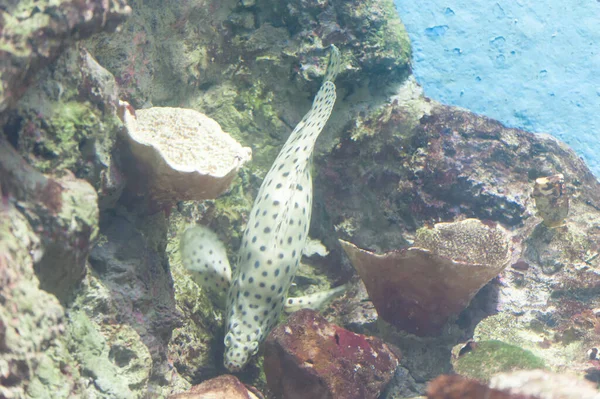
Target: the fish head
(238, 352)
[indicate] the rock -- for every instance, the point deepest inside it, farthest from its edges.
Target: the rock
(456, 387)
(308, 357)
(551, 199)
(64, 213)
(545, 385)
(33, 36)
(68, 120)
(482, 359)
(535, 384)
(181, 154)
(34, 359)
(419, 288)
(222, 387)
(141, 292)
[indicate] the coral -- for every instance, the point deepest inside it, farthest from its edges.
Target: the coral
(490, 357)
(181, 154)
(419, 288)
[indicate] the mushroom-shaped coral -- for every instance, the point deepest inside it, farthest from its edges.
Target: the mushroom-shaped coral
(181, 154)
(418, 288)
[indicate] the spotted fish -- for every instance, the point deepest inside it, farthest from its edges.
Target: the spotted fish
(204, 256)
(276, 233)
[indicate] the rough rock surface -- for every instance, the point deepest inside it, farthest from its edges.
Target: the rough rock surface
(536, 384)
(414, 162)
(456, 387)
(67, 120)
(61, 210)
(307, 357)
(419, 288)
(34, 35)
(32, 321)
(222, 387)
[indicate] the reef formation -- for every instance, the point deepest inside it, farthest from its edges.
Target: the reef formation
(97, 296)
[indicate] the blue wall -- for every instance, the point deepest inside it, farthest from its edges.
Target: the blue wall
(530, 64)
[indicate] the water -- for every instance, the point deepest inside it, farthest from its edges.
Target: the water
(529, 64)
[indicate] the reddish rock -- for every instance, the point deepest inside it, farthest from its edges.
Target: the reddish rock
(308, 357)
(222, 387)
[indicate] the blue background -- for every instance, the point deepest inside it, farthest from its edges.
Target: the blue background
(530, 64)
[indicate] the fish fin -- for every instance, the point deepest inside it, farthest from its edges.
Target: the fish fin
(204, 256)
(315, 301)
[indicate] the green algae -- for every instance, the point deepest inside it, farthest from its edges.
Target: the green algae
(491, 357)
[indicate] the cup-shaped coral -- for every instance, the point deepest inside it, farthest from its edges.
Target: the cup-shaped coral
(418, 288)
(181, 154)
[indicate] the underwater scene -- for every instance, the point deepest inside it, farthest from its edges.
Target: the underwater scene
(258, 199)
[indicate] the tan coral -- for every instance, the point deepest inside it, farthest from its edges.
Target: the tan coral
(417, 289)
(182, 153)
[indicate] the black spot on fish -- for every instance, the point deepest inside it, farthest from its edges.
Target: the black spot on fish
(277, 186)
(267, 230)
(246, 294)
(250, 280)
(263, 248)
(257, 296)
(276, 273)
(265, 274)
(254, 239)
(256, 264)
(262, 285)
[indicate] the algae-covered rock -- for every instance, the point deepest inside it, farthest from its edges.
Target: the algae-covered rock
(487, 358)
(68, 120)
(34, 358)
(35, 33)
(62, 211)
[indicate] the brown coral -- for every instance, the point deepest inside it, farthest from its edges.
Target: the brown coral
(419, 288)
